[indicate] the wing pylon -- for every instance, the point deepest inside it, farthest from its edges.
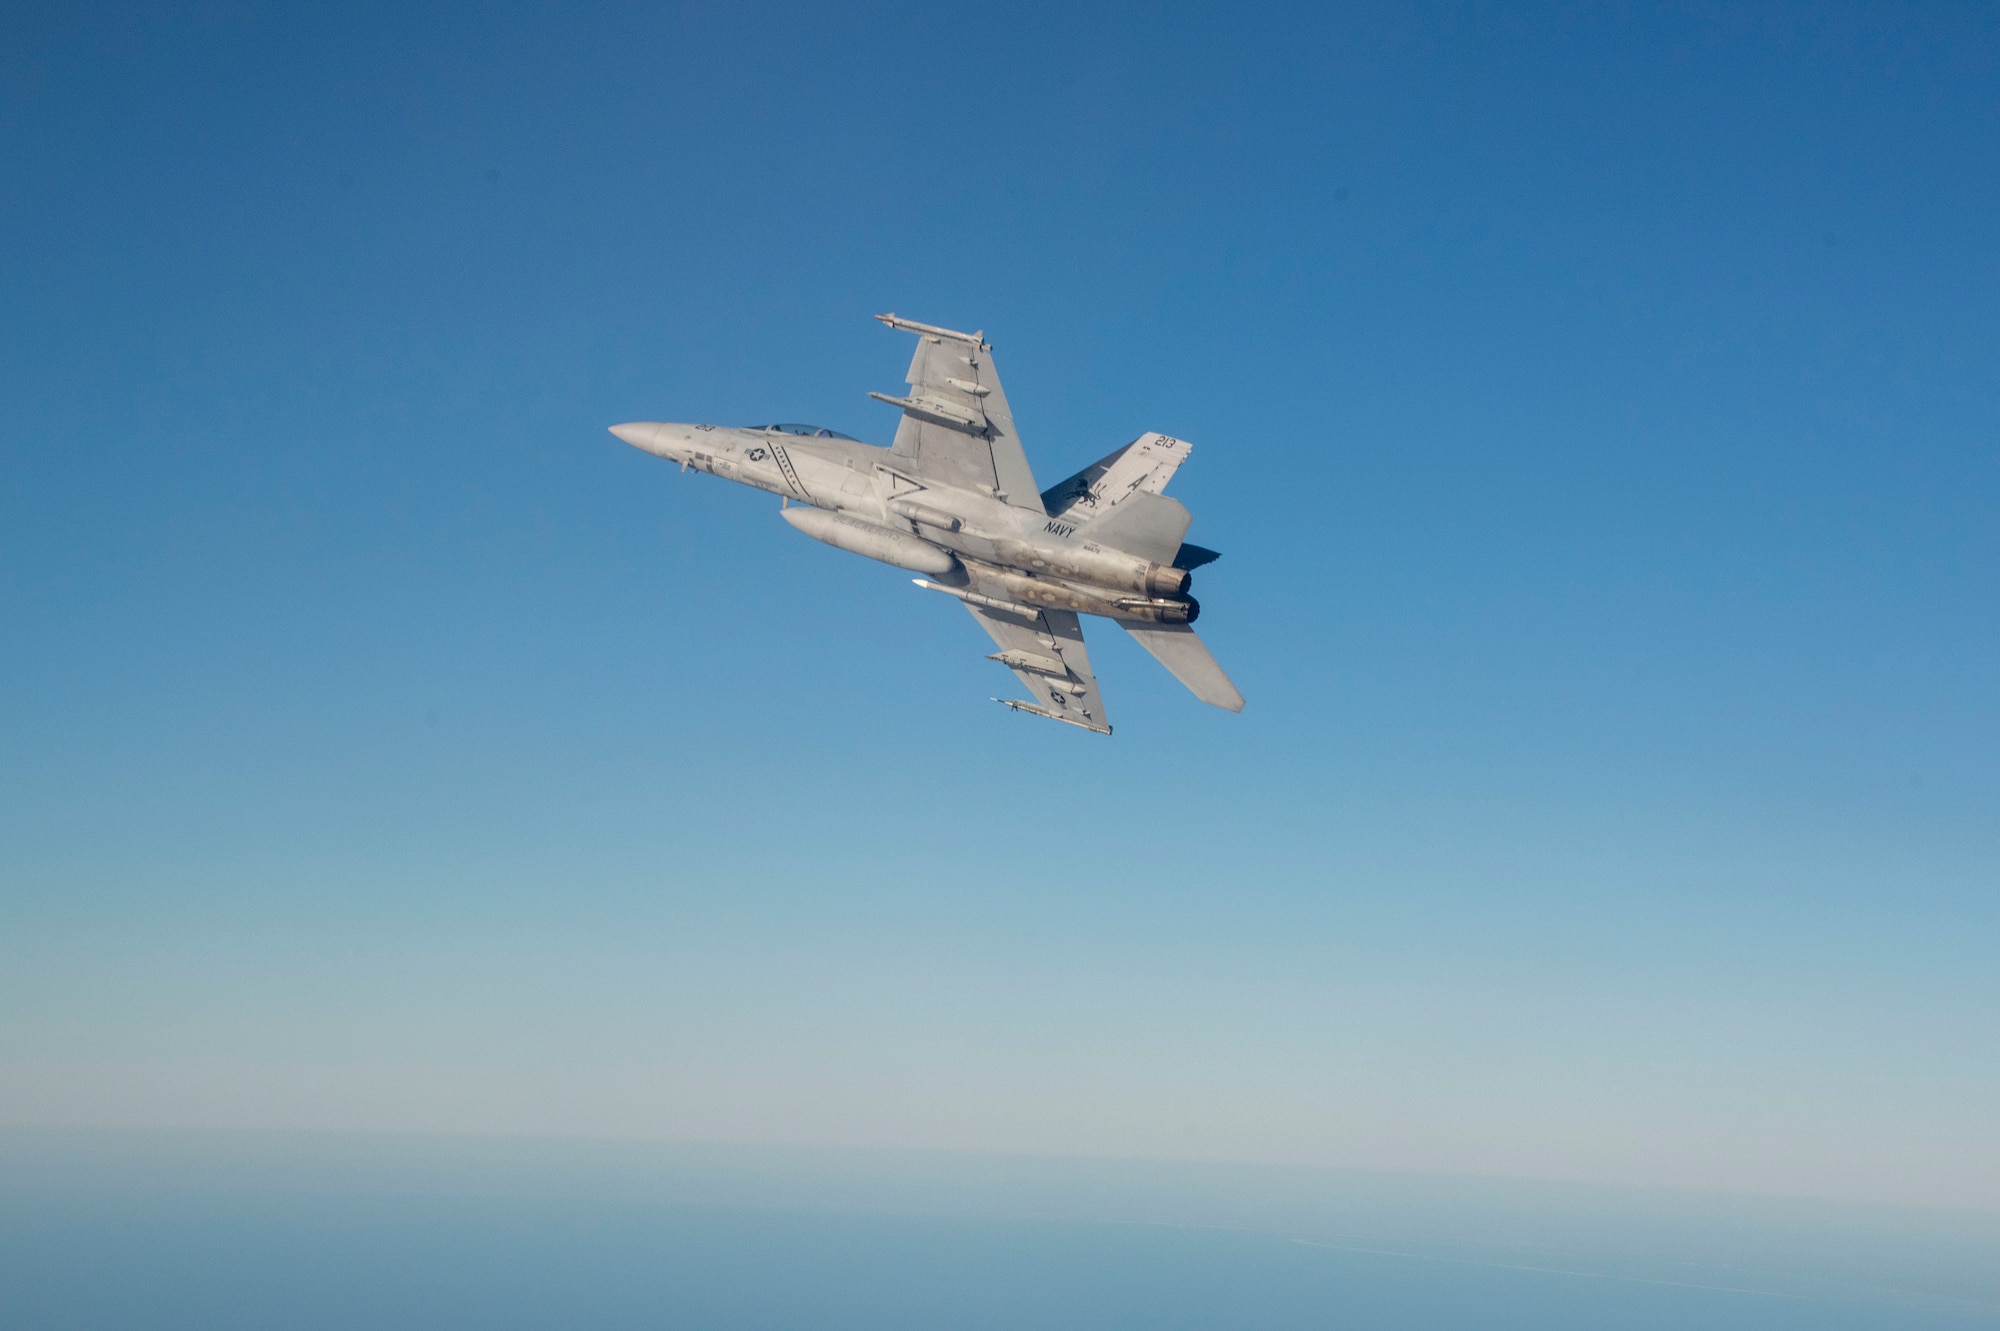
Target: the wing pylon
(1044, 648)
(957, 428)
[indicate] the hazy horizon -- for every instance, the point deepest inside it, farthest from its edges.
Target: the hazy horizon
(497, 1226)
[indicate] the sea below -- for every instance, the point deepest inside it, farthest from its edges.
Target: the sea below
(218, 1231)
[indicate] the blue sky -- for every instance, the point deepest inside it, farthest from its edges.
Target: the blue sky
(1595, 406)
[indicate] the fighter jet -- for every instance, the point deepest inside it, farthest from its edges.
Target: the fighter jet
(952, 498)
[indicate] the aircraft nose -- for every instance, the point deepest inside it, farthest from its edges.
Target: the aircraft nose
(639, 434)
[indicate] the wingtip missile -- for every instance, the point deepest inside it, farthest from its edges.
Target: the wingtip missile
(977, 339)
(1036, 709)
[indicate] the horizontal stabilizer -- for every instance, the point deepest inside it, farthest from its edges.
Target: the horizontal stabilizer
(1193, 557)
(1186, 657)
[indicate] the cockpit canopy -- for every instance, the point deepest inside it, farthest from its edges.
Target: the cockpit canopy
(811, 431)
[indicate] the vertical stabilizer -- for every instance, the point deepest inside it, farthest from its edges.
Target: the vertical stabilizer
(1144, 465)
(1186, 657)
(1147, 525)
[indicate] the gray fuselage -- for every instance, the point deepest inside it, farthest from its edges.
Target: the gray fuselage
(975, 544)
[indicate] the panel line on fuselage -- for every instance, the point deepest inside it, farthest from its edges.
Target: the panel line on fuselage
(784, 461)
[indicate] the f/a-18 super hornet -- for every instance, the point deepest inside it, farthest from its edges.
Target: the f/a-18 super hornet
(953, 499)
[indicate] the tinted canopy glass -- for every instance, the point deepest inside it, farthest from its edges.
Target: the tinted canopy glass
(813, 431)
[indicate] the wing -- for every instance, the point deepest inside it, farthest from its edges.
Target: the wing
(1046, 652)
(957, 428)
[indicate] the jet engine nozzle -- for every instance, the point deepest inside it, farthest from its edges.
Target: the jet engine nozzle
(1162, 580)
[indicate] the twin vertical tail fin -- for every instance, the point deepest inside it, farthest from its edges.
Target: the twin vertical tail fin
(1117, 501)
(1143, 466)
